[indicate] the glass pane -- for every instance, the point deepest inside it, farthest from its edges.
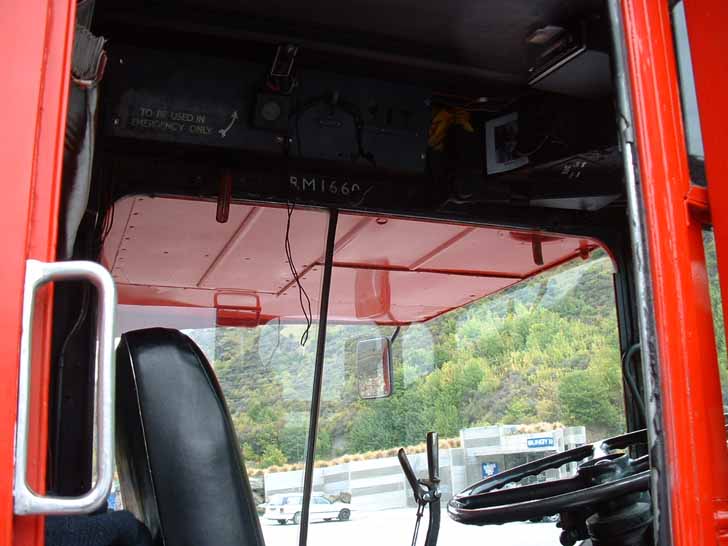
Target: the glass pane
(532, 369)
(711, 263)
(257, 336)
(691, 116)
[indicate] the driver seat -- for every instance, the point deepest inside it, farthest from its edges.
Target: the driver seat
(177, 454)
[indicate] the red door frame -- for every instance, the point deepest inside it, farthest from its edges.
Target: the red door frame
(36, 38)
(706, 20)
(694, 437)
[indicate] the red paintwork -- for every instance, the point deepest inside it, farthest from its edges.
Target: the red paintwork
(171, 251)
(706, 21)
(36, 40)
(691, 397)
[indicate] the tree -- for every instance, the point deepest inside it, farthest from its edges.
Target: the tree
(587, 397)
(544, 350)
(272, 455)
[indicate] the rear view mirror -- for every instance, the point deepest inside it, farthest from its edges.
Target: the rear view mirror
(374, 367)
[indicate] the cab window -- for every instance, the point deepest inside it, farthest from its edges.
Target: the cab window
(503, 342)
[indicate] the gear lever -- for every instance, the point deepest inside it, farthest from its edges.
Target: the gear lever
(426, 491)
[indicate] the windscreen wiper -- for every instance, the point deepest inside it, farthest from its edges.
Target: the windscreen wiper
(426, 491)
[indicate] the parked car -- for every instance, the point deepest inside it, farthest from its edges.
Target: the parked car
(288, 507)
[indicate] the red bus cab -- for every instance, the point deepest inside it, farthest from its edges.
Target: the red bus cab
(296, 274)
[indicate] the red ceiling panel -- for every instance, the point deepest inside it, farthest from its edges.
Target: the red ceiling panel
(255, 257)
(172, 251)
(380, 241)
(498, 250)
(166, 242)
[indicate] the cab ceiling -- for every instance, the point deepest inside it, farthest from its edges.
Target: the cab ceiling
(482, 37)
(172, 252)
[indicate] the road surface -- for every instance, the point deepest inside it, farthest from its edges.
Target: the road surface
(394, 528)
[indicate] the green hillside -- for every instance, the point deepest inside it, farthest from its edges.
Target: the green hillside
(546, 350)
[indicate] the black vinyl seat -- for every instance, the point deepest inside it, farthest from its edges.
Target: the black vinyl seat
(178, 459)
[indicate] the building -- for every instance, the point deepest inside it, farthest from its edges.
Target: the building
(376, 484)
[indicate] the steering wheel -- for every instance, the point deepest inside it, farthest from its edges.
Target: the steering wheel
(606, 475)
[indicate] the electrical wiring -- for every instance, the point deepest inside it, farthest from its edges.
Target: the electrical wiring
(345, 106)
(83, 313)
(536, 148)
(302, 294)
(290, 206)
(630, 378)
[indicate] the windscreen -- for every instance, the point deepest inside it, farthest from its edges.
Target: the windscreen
(265, 370)
(515, 357)
(504, 380)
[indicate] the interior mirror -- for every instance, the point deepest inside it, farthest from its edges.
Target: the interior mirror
(374, 367)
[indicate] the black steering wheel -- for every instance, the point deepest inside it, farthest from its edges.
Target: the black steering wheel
(608, 474)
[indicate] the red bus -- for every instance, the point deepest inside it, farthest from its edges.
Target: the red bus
(253, 250)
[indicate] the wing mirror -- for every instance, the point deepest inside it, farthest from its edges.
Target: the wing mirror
(374, 367)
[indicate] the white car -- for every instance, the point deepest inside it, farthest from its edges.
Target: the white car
(287, 507)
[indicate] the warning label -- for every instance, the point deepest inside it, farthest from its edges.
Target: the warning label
(170, 121)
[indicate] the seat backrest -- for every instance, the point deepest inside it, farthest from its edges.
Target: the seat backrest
(178, 458)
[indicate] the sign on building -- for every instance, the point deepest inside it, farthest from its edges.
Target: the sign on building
(546, 441)
(489, 469)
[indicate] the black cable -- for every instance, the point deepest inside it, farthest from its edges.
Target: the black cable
(535, 149)
(355, 113)
(290, 206)
(631, 381)
(393, 337)
(418, 516)
(346, 107)
(62, 361)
